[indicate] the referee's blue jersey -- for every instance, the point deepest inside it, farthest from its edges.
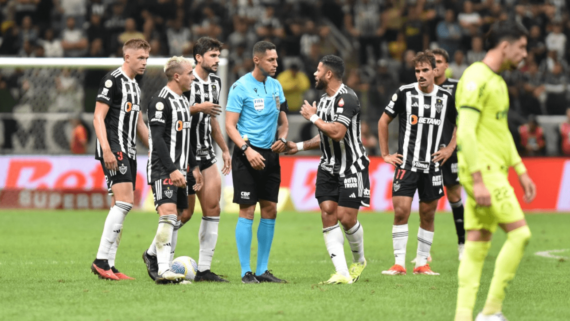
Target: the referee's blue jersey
(259, 104)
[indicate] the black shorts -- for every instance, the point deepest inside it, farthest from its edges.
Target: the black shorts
(429, 186)
(126, 171)
(251, 185)
(352, 190)
(450, 171)
(191, 181)
(166, 192)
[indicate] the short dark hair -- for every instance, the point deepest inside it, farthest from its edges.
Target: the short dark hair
(334, 64)
(441, 52)
(509, 30)
(425, 57)
(204, 45)
(262, 46)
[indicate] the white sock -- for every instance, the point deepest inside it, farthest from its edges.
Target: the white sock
(152, 248)
(208, 237)
(355, 237)
(113, 227)
(166, 225)
(425, 239)
(178, 226)
(400, 240)
(334, 240)
(114, 248)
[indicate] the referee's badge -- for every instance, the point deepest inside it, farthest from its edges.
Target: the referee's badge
(277, 103)
(258, 104)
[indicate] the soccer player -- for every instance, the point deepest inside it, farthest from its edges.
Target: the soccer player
(170, 156)
(343, 184)
(255, 116)
(422, 108)
(205, 98)
(449, 169)
(116, 121)
(486, 152)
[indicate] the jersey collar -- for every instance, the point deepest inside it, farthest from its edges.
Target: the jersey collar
(337, 92)
(177, 96)
(200, 79)
(124, 74)
(433, 92)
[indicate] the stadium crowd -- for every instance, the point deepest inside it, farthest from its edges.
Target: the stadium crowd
(377, 38)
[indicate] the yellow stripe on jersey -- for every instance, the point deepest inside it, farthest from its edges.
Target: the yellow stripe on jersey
(483, 136)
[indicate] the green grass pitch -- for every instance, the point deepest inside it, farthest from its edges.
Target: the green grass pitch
(45, 258)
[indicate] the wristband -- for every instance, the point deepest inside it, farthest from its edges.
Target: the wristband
(314, 118)
(520, 168)
(300, 146)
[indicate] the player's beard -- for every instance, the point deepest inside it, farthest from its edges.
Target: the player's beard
(210, 69)
(321, 84)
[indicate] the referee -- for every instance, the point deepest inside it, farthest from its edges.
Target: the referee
(255, 113)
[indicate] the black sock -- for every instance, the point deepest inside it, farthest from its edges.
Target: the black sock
(458, 209)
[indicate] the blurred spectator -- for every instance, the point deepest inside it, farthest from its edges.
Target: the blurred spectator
(27, 50)
(295, 83)
(72, 8)
(398, 47)
(309, 38)
(363, 21)
(243, 36)
(130, 32)
(556, 41)
(74, 42)
(547, 65)
(449, 33)
(468, 19)
(555, 83)
(52, 46)
(9, 45)
(476, 53)
(150, 31)
(156, 48)
(458, 65)
(368, 139)
(78, 141)
(28, 32)
(97, 7)
(564, 138)
(384, 85)
(327, 41)
(407, 74)
(532, 95)
(393, 19)
(95, 29)
(536, 44)
(68, 97)
(416, 37)
(312, 61)
(178, 38)
(96, 48)
(532, 138)
(23, 9)
(210, 25)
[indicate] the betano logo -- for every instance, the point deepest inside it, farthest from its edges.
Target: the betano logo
(414, 120)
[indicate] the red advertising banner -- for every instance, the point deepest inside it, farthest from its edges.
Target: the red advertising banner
(75, 182)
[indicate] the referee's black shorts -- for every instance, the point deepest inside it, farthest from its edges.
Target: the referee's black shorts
(251, 185)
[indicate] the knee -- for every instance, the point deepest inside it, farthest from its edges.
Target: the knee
(521, 235)
(269, 212)
(212, 210)
(185, 216)
(247, 212)
(427, 219)
(401, 215)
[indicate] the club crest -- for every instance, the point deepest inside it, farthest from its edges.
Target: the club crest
(123, 169)
(168, 193)
(439, 105)
(396, 186)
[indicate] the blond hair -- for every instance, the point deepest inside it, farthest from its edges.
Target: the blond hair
(174, 66)
(135, 44)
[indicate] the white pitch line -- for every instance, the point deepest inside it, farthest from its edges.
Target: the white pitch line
(549, 255)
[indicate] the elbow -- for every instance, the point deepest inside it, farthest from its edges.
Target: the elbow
(337, 137)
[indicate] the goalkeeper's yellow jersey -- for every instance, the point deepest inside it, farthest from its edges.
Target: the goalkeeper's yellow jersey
(484, 140)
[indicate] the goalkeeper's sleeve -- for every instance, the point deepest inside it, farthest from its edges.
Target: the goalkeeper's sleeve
(467, 137)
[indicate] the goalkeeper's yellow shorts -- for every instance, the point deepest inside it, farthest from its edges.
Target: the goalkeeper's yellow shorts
(504, 208)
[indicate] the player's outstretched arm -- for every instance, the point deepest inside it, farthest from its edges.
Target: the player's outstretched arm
(101, 110)
(282, 132)
(334, 130)
(219, 138)
(394, 159)
(294, 148)
(142, 130)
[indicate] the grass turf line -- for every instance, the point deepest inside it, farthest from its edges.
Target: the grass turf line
(45, 258)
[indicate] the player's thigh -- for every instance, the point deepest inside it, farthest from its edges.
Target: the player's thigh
(268, 209)
(453, 193)
(504, 204)
(165, 192)
(430, 186)
(405, 183)
(211, 191)
(326, 189)
(476, 218)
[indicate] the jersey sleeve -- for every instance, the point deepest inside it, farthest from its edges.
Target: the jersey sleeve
(451, 111)
(107, 89)
(236, 98)
(158, 111)
(283, 100)
(347, 106)
(396, 104)
(470, 91)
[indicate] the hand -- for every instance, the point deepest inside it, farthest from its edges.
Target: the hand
(227, 163)
(110, 160)
(199, 179)
(278, 147)
(442, 155)
(481, 193)
(178, 179)
(209, 108)
(291, 148)
(528, 186)
(255, 159)
(394, 159)
(307, 110)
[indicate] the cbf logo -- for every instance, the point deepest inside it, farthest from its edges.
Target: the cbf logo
(350, 182)
(245, 195)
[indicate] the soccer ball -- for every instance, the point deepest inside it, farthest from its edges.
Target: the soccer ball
(185, 265)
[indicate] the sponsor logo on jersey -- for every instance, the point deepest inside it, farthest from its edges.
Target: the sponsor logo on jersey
(350, 182)
(454, 168)
(341, 103)
(158, 115)
(245, 195)
(396, 186)
(123, 169)
(421, 165)
(158, 120)
(424, 120)
(130, 106)
(132, 150)
(394, 97)
(168, 193)
(352, 195)
(340, 110)
(180, 125)
(436, 180)
(105, 92)
(367, 193)
(159, 106)
(108, 83)
(415, 104)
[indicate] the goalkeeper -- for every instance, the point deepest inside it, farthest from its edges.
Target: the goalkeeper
(486, 152)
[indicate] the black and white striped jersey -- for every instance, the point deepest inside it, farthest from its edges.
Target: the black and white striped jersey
(448, 127)
(201, 136)
(347, 155)
(422, 117)
(123, 96)
(169, 134)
